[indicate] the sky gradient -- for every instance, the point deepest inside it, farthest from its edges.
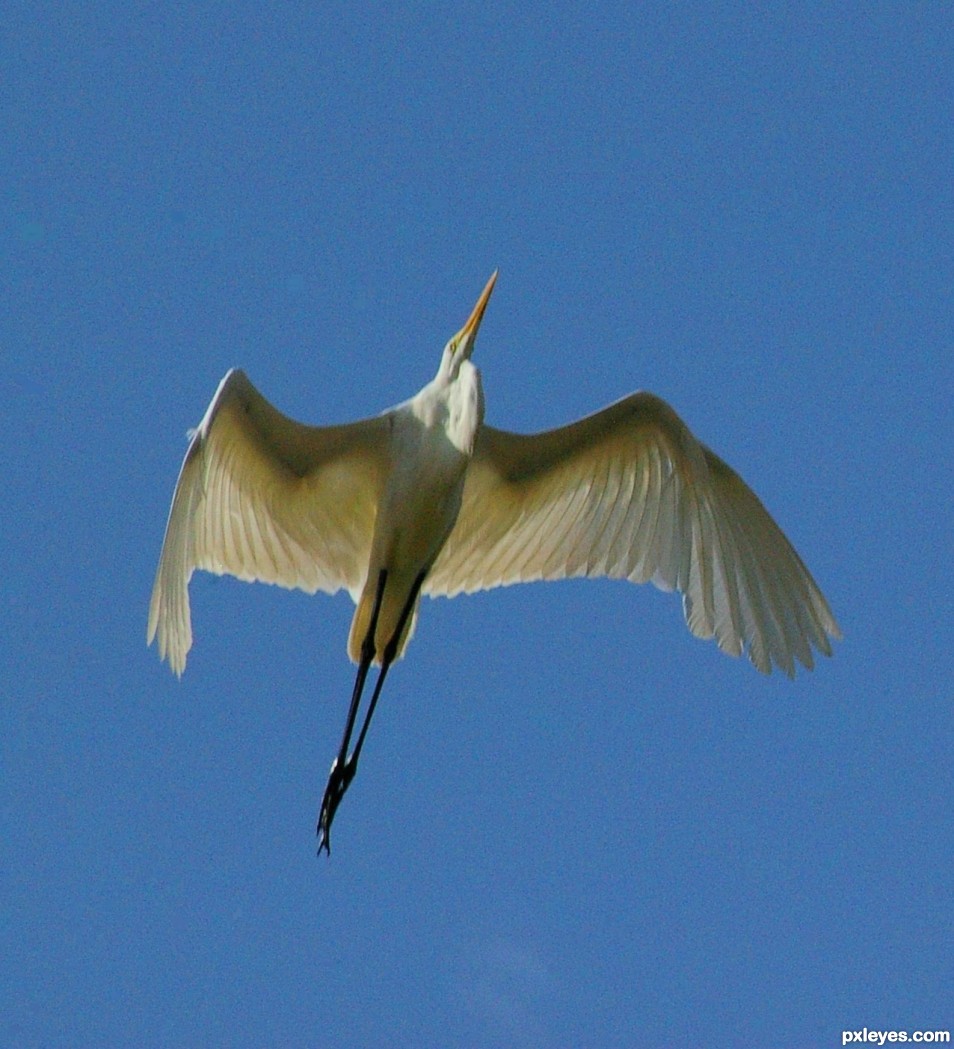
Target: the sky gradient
(575, 824)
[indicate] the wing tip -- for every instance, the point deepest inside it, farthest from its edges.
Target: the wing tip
(171, 648)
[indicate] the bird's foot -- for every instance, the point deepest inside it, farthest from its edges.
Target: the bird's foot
(339, 779)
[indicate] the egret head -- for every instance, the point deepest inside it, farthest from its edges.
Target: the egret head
(461, 346)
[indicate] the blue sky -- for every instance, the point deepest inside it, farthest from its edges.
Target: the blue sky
(575, 824)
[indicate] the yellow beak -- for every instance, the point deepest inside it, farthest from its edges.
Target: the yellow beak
(469, 330)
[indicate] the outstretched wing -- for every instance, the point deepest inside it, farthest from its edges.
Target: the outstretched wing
(262, 497)
(630, 493)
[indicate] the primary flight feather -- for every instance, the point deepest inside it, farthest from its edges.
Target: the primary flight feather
(427, 499)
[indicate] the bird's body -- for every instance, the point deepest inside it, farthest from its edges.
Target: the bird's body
(429, 446)
(427, 499)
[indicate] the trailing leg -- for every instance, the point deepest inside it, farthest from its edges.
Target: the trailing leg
(344, 768)
(342, 772)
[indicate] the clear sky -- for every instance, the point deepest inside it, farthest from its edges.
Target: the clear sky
(575, 824)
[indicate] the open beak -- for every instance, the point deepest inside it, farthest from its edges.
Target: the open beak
(469, 330)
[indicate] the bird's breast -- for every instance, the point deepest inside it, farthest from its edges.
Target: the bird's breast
(421, 499)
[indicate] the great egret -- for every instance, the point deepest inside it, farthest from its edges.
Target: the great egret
(427, 499)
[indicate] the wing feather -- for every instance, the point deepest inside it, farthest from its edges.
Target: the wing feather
(261, 497)
(630, 493)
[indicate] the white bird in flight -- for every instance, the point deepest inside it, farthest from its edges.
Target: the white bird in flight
(426, 499)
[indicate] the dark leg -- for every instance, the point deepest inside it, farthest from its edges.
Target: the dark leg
(349, 766)
(390, 651)
(339, 778)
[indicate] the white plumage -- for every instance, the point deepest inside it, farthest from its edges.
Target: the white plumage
(427, 499)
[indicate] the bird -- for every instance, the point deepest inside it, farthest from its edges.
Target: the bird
(426, 498)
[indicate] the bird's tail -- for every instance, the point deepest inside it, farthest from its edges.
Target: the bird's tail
(388, 618)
